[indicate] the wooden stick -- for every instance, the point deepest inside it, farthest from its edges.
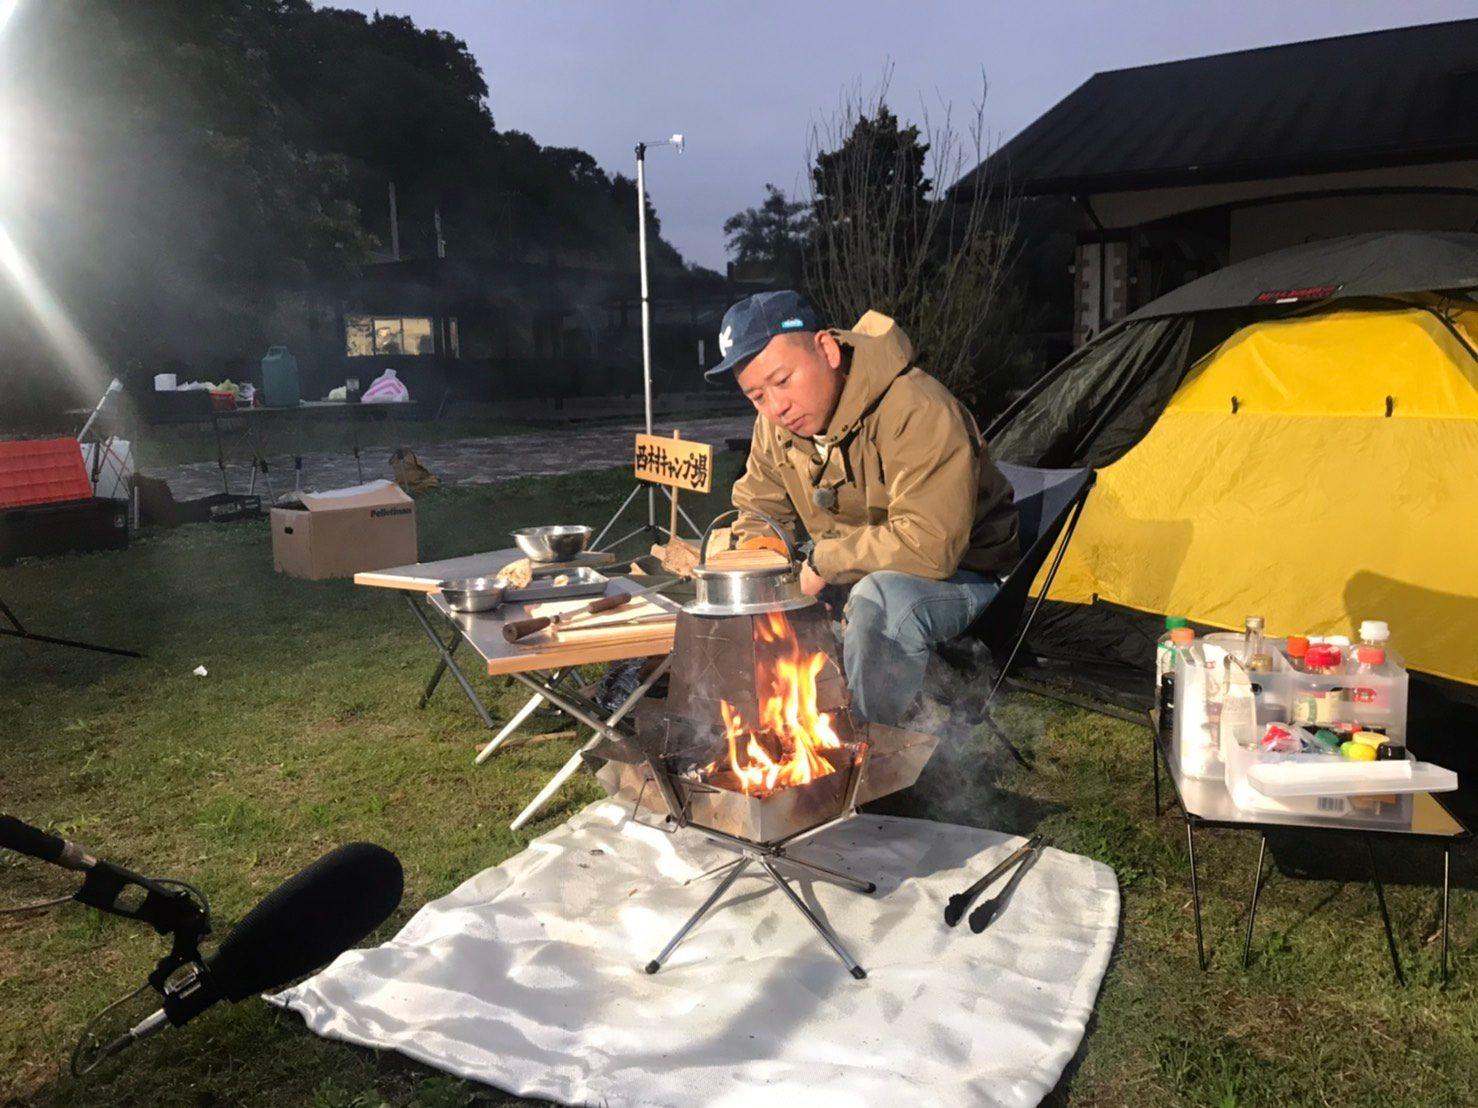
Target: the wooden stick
(530, 740)
(672, 524)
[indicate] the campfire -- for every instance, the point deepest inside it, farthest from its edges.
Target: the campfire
(755, 749)
(788, 745)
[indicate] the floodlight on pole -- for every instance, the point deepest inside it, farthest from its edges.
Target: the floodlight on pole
(646, 311)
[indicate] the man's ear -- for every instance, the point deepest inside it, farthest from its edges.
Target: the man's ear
(830, 349)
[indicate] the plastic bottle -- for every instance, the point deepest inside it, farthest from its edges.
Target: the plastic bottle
(1165, 663)
(1373, 633)
(1370, 659)
(1296, 648)
(1176, 641)
(1323, 658)
(1254, 648)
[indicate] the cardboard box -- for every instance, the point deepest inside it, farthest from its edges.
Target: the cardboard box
(342, 531)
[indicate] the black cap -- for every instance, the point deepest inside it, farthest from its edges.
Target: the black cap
(750, 324)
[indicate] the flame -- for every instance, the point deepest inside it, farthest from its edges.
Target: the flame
(784, 749)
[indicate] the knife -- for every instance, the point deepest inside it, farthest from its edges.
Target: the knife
(517, 629)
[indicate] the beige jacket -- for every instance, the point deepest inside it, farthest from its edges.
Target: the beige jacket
(908, 481)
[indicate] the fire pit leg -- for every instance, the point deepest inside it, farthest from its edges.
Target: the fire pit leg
(706, 874)
(844, 878)
(723, 886)
(821, 929)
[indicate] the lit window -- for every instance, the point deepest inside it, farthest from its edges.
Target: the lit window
(359, 336)
(415, 335)
(367, 336)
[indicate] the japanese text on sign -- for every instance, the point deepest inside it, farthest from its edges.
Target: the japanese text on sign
(675, 462)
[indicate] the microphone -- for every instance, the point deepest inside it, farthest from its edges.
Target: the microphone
(824, 498)
(307, 921)
(32, 841)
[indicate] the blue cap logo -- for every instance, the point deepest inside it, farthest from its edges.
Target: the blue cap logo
(792, 324)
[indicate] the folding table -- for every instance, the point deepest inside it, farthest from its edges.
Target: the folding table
(1208, 803)
(548, 670)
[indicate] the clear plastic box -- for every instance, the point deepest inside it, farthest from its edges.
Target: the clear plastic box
(1375, 701)
(1201, 692)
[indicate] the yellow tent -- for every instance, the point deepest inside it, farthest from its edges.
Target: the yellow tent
(1316, 470)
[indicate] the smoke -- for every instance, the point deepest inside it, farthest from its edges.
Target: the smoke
(967, 780)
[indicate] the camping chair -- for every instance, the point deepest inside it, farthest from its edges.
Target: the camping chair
(1048, 504)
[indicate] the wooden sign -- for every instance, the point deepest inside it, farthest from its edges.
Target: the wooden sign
(675, 462)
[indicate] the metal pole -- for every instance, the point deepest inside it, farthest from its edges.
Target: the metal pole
(1380, 898)
(1190, 845)
(1262, 849)
(646, 308)
(394, 225)
(723, 886)
(1446, 881)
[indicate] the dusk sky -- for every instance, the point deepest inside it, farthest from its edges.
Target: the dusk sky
(746, 80)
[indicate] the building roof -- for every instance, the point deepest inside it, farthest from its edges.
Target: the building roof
(1396, 97)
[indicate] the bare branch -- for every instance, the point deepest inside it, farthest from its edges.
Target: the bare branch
(891, 233)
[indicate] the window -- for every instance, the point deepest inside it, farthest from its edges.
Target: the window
(359, 336)
(366, 336)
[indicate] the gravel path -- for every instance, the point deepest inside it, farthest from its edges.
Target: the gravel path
(480, 461)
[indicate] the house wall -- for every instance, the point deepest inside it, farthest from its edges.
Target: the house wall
(1134, 209)
(1173, 235)
(1267, 227)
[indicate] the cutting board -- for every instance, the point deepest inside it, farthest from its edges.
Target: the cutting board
(606, 627)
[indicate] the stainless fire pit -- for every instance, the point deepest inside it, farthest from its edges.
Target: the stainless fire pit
(884, 760)
(754, 663)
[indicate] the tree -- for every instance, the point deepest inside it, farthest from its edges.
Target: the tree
(770, 240)
(183, 167)
(885, 238)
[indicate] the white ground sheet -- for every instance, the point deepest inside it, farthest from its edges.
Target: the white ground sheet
(529, 976)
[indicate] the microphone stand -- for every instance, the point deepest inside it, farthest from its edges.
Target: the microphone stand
(171, 907)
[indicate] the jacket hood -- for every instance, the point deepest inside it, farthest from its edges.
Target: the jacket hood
(880, 353)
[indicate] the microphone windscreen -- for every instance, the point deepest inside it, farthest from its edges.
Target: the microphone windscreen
(308, 920)
(25, 839)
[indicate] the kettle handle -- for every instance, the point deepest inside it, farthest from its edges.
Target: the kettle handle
(703, 542)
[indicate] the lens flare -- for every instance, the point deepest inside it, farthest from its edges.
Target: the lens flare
(72, 349)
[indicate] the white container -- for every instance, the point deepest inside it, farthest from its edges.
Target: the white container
(1200, 674)
(1296, 775)
(165, 382)
(115, 471)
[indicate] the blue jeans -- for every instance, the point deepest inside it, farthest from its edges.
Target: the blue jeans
(891, 621)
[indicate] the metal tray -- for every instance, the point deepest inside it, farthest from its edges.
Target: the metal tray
(583, 581)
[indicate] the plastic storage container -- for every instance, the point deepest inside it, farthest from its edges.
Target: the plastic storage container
(42, 471)
(1220, 701)
(1372, 700)
(280, 379)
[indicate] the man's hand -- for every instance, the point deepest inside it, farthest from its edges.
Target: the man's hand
(811, 581)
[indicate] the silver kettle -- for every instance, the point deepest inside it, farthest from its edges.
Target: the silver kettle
(746, 592)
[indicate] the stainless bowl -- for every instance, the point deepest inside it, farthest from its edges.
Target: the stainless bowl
(552, 544)
(473, 594)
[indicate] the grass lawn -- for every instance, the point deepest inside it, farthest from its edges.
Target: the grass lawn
(305, 735)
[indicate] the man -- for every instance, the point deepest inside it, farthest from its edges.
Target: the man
(887, 473)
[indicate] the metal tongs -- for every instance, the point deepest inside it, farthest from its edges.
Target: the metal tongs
(1025, 854)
